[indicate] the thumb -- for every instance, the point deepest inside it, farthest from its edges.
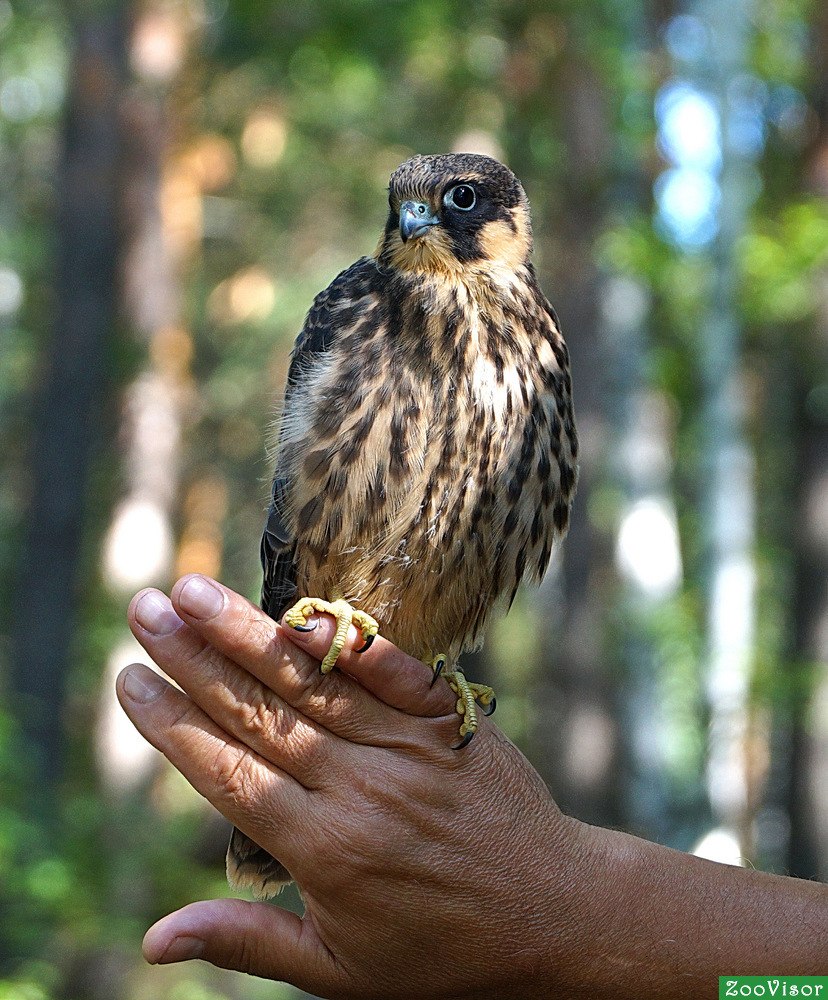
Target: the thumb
(257, 938)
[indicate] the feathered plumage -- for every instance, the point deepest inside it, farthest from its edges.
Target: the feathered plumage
(426, 460)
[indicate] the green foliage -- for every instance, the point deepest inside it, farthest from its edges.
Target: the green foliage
(783, 261)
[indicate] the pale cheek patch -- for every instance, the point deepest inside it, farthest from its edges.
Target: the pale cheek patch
(500, 243)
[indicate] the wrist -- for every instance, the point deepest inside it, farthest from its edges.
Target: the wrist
(562, 919)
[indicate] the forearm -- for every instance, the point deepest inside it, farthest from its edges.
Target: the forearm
(654, 922)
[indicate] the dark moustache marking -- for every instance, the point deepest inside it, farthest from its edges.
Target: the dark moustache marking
(465, 229)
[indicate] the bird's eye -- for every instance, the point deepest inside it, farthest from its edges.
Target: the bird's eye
(461, 196)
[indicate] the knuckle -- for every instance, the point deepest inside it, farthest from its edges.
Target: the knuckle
(201, 659)
(185, 715)
(232, 772)
(267, 723)
(259, 719)
(255, 630)
(301, 742)
(265, 719)
(243, 958)
(324, 695)
(311, 695)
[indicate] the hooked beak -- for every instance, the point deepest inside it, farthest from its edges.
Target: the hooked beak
(415, 218)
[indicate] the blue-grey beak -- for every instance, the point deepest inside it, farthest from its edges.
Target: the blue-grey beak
(415, 218)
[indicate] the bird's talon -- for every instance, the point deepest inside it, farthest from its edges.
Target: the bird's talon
(366, 645)
(437, 665)
(468, 694)
(344, 615)
(465, 741)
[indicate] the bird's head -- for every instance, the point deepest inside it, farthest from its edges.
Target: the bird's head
(455, 212)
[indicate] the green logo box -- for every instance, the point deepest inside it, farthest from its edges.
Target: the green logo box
(768, 987)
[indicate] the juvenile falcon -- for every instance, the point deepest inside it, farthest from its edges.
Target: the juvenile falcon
(426, 460)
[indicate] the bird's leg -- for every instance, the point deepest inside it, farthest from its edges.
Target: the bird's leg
(468, 696)
(484, 696)
(344, 614)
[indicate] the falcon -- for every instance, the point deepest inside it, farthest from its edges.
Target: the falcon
(426, 459)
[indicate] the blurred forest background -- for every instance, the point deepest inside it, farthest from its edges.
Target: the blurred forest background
(180, 178)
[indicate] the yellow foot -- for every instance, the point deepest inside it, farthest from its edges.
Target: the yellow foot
(344, 614)
(469, 695)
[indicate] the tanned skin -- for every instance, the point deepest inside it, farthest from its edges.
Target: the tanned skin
(425, 872)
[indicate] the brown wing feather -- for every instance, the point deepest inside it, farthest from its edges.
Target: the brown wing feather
(248, 865)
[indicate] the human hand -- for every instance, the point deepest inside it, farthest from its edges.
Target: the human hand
(425, 871)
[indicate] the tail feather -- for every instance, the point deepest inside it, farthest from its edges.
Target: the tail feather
(251, 867)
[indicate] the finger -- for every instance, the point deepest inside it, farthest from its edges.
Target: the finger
(255, 795)
(234, 698)
(386, 671)
(252, 639)
(255, 938)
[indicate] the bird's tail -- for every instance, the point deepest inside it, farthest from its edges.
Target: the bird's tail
(251, 867)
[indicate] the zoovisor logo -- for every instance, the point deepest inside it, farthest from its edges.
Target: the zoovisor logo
(773, 986)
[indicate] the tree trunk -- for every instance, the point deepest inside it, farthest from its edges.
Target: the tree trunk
(576, 736)
(807, 798)
(73, 398)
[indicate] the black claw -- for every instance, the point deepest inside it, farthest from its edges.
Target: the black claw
(437, 671)
(368, 643)
(465, 741)
(489, 709)
(306, 628)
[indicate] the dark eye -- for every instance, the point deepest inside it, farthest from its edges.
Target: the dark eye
(462, 196)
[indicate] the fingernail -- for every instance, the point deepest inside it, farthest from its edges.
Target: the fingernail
(143, 685)
(182, 948)
(155, 614)
(201, 598)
